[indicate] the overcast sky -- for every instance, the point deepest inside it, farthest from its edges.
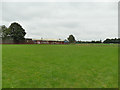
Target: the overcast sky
(54, 20)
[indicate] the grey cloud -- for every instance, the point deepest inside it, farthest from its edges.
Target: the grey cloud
(86, 21)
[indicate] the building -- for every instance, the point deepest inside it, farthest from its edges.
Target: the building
(33, 41)
(49, 41)
(28, 41)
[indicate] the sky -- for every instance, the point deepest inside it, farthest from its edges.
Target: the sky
(54, 20)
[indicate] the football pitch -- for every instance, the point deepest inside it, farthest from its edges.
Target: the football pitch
(59, 66)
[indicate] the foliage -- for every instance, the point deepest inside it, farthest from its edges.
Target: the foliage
(88, 42)
(112, 40)
(71, 39)
(115, 40)
(4, 31)
(16, 31)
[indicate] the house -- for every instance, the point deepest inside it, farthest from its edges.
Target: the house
(10, 40)
(28, 41)
(48, 41)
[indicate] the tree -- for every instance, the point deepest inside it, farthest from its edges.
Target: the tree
(71, 39)
(3, 31)
(16, 32)
(112, 40)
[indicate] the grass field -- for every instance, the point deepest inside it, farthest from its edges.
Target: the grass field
(59, 66)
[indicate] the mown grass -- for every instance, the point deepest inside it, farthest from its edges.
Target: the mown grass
(59, 66)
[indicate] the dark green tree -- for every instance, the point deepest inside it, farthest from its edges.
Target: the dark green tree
(4, 31)
(112, 40)
(71, 39)
(16, 32)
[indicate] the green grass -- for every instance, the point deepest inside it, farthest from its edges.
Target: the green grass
(59, 66)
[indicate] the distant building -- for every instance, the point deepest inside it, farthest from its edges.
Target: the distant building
(48, 41)
(10, 40)
(28, 41)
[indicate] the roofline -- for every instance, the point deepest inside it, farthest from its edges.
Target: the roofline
(48, 39)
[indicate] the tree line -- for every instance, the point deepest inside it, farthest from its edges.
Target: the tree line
(16, 32)
(107, 41)
(112, 40)
(72, 40)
